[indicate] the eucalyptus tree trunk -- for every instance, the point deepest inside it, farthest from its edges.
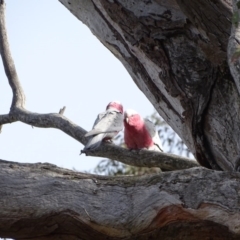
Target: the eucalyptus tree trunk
(184, 56)
(176, 53)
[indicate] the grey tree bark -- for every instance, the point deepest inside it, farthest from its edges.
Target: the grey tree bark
(42, 201)
(176, 53)
(180, 56)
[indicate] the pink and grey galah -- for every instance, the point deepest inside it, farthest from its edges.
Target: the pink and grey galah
(140, 133)
(107, 125)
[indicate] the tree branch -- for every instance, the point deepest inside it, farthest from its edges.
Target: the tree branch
(18, 100)
(175, 52)
(58, 121)
(64, 204)
(143, 158)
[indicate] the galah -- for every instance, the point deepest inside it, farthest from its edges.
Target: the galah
(140, 133)
(106, 126)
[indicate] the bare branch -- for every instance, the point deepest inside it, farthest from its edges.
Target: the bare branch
(51, 120)
(143, 158)
(10, 70)
(7, 118)
(58, 121)
(76, 205)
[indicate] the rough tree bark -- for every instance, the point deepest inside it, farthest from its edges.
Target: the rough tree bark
(176, 53)
(42, 201)
(180, 55)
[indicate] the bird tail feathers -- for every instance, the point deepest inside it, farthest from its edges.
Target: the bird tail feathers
(94, 142)
(92, 132)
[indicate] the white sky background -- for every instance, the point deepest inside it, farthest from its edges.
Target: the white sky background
(59, 63)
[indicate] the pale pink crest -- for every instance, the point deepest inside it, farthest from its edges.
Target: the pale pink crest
(115, 105)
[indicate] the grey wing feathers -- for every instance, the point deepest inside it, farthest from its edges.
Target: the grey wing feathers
(154, 134)
(94, 142)
(109, 121)
(150, 127)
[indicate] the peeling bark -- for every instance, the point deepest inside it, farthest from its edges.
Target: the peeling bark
(234, 45)
(176, 53)
(42, 201)
(58, 121)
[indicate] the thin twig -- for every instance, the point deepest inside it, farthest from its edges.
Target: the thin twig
(62, 110)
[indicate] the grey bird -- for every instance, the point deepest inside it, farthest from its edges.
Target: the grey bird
(107, 125)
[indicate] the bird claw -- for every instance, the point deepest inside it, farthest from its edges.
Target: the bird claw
(81, 152)
(134, 150)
